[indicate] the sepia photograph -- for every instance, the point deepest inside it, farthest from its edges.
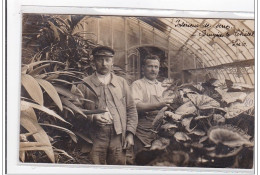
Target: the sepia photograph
(137, 91)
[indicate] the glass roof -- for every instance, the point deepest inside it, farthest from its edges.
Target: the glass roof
(215, 47)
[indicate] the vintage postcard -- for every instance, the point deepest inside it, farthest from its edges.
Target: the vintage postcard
(137, 91)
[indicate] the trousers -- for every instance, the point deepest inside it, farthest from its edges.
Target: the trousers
(107, 147)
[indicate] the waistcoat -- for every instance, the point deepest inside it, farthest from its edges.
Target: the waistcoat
(106, 100)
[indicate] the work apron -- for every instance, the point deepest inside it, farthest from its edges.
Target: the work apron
(144, 130)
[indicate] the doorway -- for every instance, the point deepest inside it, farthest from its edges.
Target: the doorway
(135, 61)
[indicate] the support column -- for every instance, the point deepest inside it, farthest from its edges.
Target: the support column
(140, 43)
(98, 31)
(153, 37)
(169, 59)
(126, 61)
(182, 57)
(112, 34)
(140, 34)
(195, 67)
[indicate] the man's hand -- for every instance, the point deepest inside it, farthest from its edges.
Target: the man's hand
(169, 99)
(100, 120)
(129, 141)
(164, 102)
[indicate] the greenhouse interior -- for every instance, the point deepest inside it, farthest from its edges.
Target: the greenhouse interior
(182, 48)
(213, 58)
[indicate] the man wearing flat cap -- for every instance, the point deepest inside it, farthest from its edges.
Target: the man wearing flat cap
(114, 129)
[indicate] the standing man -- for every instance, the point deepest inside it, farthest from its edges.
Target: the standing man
(114, 129)
(147, 93)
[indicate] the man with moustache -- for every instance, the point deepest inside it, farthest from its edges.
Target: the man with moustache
(114, 129)
(147, 93)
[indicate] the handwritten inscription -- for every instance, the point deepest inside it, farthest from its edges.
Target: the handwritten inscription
(185, 24)
(238, 43)
(243, 32)
(205, 30)
(223, 26)
(249, 101)
(204, 33)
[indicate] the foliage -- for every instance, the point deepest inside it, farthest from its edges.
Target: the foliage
(57, 38)
(209, 124)
(50, 100)
(56, 57)
(204, 129)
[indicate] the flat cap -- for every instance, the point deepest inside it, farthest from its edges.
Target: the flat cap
(103, 51)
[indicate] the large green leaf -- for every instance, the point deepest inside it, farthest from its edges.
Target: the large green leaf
(81, 111)
(89, 87)
(60, 151)
(63, 23)
(55, 31)
(94, 111)
(30, 113)
(237, 108)
(50, 77)
(40, 135)
(67, 93)
(84, 137)
(60, 72)
(67, 108)
(168, 126)
(62, 81)
(242, 86)
(230, 97)
(160, 143)
(233, 152)
(186, 123)
(38, 69)
(237, 86)
(25, 105)
(229, 136)
(181, 136)
(33, 88)
(189, 88)
(203, 101)
(75, 89)
(186, 108)
(31, 65)
(87, 100)
(22, 155)
(35, 146)
(173, 115)
(159, 118)
(72, 106)
(76, 72)
(73, 76)
(32, 144)
(197, 132)
(71, 134)
(48, 87)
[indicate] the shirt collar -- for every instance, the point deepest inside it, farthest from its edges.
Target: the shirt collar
(100, 76)
(97, 82)
(150, 81)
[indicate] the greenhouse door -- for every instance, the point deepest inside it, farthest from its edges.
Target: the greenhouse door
(134, 68)
(134, 62)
